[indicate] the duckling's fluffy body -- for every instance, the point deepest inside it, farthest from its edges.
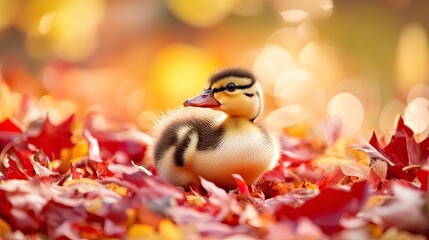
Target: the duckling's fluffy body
(202, 142)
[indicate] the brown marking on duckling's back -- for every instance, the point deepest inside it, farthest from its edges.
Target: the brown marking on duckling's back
(209, 137)
(168, 140)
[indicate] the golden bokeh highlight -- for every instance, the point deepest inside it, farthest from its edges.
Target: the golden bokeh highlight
(272, 61)
(201, 13)
(314, 8)
(64, 28)
(8, 10)
(9, 101)
(284, 117)
(294, 15)
(412, 58)
(349, 108)
(418, 90)
(389, 115)
(178, 73)
(295, 86)
(416, 115)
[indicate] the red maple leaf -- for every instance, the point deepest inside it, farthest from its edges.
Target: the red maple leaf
(13, 170)
(403, 148)
(331, 178)
(74, 173)
(424, 149)
(106, 141)
(327, 208)
(374, 142)
(9, 130)
(241, 184)
(423, 177)
(53, 138)
(22, 154)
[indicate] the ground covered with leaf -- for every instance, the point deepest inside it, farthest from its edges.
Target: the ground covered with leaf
(88, 179)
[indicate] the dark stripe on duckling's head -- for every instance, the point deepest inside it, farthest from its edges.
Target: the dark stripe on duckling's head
(232, 72)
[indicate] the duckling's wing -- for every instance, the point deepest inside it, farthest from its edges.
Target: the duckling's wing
(185, 130)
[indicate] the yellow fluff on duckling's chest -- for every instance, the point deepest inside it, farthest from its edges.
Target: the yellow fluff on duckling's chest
(218, 142)
(246, 149)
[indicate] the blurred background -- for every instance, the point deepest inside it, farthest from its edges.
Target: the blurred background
(364, 62)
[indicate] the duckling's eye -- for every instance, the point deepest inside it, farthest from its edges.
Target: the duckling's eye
(230, 87)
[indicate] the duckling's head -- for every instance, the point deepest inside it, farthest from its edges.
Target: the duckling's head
(232, 91)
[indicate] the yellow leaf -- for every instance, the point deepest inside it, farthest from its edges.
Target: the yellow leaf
(376, 230)
(328, 162)
(374, 201)
(4, 229)
(340, 146)
(169, 231)
(310, 185)
(131, 217)
(9, 101)
(72, 155)
(94, 205)
(195, 200)
(118, 189)
(299, 130)
(141, 231)
(82, 185)
(341, 151)
(394, 234)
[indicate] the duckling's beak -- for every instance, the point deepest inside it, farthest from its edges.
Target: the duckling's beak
(205, 99)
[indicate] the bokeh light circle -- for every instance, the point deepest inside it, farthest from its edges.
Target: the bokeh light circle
(285, 117)
(201, 13)
(296, 85)
(416, 115)
(350, 109)
(418, 90)
(389, 114)
(271, 63)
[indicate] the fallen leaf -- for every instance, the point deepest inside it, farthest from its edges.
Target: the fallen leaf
(41, 170)
(82, 185)
(9, 130)
(350, 168)
(241, 184)
(326, 210)
(380, 168)
(393, 234)
(331, 178)
(403, 148)
(13, 170)
(141, 231)
(74, 173)
(5, 229)
(51, 139)
(109, 142)
(408, 202)
(169, 231)
(423, 177)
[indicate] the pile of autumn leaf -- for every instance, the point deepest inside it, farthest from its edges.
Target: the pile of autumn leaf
(85, 179)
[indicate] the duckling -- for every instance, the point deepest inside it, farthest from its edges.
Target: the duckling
(216, 135)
